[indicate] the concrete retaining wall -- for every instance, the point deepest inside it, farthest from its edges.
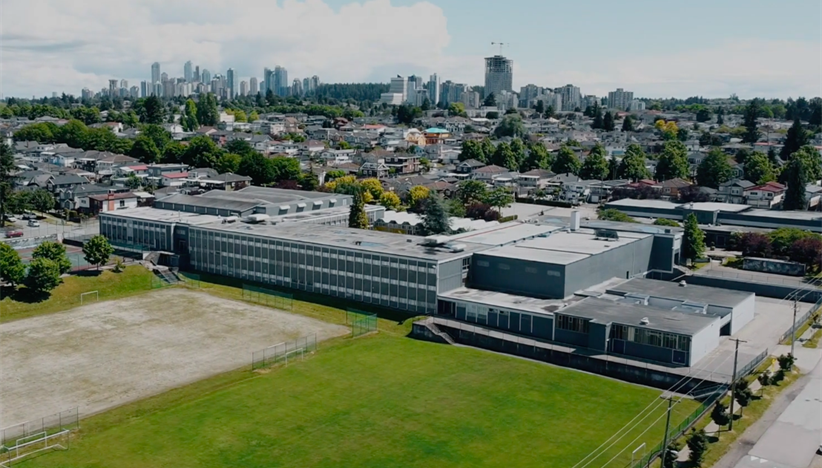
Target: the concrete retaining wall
(760, 289)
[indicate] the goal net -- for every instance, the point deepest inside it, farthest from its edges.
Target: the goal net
(90, 296)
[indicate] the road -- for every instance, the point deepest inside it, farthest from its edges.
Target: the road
(48, 230)
(789, 433)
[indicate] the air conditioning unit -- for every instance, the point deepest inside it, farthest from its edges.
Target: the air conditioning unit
(644, 321)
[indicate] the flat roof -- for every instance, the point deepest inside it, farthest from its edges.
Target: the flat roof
(632, 227)
(632, 203)
(606, 311)
(275, 195)
(375, 242)
(690, 293)
(563, 248)
(803, 215)
(505, 301)
(503, 234)
(232, 204)
(713, 206)
(166, 216)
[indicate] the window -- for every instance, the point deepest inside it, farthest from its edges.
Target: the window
(531, 270)
(504, 266)
(574, 324)
(483, 263)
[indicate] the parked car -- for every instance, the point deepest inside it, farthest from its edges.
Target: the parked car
(34, 223)
(14, 233)
(11, 218)
(29, 216)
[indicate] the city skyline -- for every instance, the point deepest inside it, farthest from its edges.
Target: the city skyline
(634, 48)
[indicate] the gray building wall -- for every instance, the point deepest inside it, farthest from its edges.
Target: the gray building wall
(211, 210)
(451, 273)
(621, 262)
(743, 314)
(379, 279)
(517, 276)
(705, 341)
(150, 235)
(665, 253)
(510, 320)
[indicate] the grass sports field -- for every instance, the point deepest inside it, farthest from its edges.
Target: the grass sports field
(377, 401)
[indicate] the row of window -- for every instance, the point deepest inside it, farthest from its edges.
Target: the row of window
(651, 337)
(507, 267)
(574, 324)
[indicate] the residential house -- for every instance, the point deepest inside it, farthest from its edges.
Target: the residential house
(112, 201)
(436, 136)
(488, 173)
(337, 156)
(469, 166)
(62, 183)
(173, 179)
(672, 187)
(77, 198)
(375, 169)
(403, 163)
(534, 179)
(768, 195)
(227, 181)
(733, 191)
(106, 165)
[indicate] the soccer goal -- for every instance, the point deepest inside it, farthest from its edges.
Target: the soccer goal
(89, 297)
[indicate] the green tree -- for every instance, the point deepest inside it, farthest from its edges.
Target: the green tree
(720, 116)
(457, 109)
(189, 119)
(608, 123)
(598, 122)
(356, 216)
(160, 136)
(510, 126)
(614, 215)
(201, 152)
(334, 174)
(73, 133)
(55, 252)
(373, 186)
(666, 222)
(697, 446)
(490, 101)
(538, 158)
(43, 275)
(228, 162)
(714, 169)
(703, 114)
(407, 114)
(796, 178)
(471, 191)
(595, 166)
(743, 393)
(795, 139)
(258, 167)
(145, 150)
(240, 147)
(693, 240)
(504, 157)
(673, 162)
(435, 217)
(520, 152)
(390, 201)
(567, 162)
(173, 152)
(285, 168)
(632, 166)
(719, 414)
(97, 250)
(41, 200)
(417, 195)
(153, 111)
(752, 112)
(253, 116)
(309, 181)
(499, 197)
(40, 132)
(472, 150)
(12, 269)
(628, 124)
(133, 182)
(7, 169)
(811, 160)
(207, 113)
(758, 169)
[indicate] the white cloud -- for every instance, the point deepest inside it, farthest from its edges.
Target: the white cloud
(64, 46)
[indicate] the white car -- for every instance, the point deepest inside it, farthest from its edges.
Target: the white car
(11, 219)
(34, 223)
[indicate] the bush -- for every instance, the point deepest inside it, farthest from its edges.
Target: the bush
(615, 215)
(698, 445)
(666, 222)
(43, 275)
(786, 362)
(119, 266)
(764, 379)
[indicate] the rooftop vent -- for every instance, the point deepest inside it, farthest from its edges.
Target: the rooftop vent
(683, 284)
(644, 321)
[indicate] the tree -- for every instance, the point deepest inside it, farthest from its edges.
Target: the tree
(12, 270)
(309, 181)
(6, 179)
(510, 126)
(417, 195)
(490, 101)
(758, 169)
(743, 393)
(538, 158)
(596, 113)
(503, 156)
(158, 135)
(714, 169)
(228, 162)
(73, 133)
(632, 166)
(334, 174)
(189, 120)
(719, 414)
(471, 191)
(703, 114)
(152, 111)
(457, 109)
(666, 222)
(499, 197)
(811, 161)
(673, 162)
(520, 152)
(608, 123)
(435, 217)
(472, 150)
(55, 252)
(786, 362)
(373, 186)
(145, 150)
(720, 116)
(628, 124)
(693, 240)
(40, 132)
(668, 130)
(567, 162)
(97, 250)
(426, 105)
(752, 112)
(201, 152)
(43, 275)
(390, 201)
(697, 446)
(285, 168)
(133, 182)
(796, 178)
(253, 116)
(41, 200)
(794, 139)
(754, 244)
(356, 216)
(240, 147)
(407, 114)
(539, 108)
(595, 166)
(614, 215)
(207, 113)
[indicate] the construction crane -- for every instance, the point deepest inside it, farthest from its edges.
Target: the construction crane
(500, 44)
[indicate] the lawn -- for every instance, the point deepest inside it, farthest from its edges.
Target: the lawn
(377, 401)
(134, 279)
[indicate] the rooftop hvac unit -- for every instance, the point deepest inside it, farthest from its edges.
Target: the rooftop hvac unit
(575, 220)
(435, 240)
(456, 247)
(644, 321)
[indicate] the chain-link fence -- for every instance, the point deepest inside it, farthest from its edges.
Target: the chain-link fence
(361, 322)
(268, 297)
(190, 280)
(283, 352)
(49, 432)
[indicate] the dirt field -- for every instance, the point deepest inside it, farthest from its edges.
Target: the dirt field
(102, 355)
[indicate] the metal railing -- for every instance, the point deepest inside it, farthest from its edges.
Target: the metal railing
(800, 321)
(283, 352)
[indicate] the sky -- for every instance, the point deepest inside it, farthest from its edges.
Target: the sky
(711, 48)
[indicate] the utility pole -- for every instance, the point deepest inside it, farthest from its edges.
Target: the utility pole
(733, 384)
(667, 427)
(793, 325)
